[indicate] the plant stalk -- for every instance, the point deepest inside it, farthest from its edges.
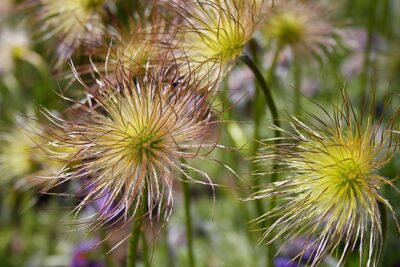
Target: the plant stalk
(383, 215)
(275, 117)
(265, 89)
(188, 221)
(373, 4)
(297, 87)
(134, 239)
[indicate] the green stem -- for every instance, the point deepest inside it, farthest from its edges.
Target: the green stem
(275, 117)
(168, 250)
(297, 87)
(188, 221)
(271, 73)
(258, 112)
(373, 4)
(146, 260)
(383, 214)
(134, 239)
(266, 90)
(106, 249)
(388, 18)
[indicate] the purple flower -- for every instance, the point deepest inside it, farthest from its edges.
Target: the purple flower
(103, 205)
(285, 262)
(83, 255)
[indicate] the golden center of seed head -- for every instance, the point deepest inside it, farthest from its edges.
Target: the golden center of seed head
(223, 42)
(231, 43)
(92, 4)
(346, 165)
(133, 58)
(350, 171)
(231, 51)
(287, 28)
(145, 144)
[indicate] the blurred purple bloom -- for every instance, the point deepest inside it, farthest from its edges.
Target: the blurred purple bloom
(83, 255)
(102, 205)
(289, 252)
(285, 262)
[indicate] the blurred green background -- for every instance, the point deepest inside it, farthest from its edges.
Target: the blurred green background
(34, 228)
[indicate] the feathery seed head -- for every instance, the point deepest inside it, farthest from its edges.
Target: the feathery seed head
(214, 32)
(73, 21)
(14, 44)
(302, 26)
(331, 193)
(20, 161)
(130, 55)
(132, 141)
(16, 158)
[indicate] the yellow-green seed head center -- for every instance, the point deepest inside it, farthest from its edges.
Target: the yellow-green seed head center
(92, 4)
(232, 51)
(287, 29)
(145, 145)
(223, 43)
(350, 171)
(230, 43)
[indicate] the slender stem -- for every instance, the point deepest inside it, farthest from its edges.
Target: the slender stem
(258, 113)
(146, 260)
(373, 4)
(388, 18)
(265, 88)
(106, 249)
(259, 106)
(297, 87)
(134, 239)
(383, 214)
(188, 221)
(168, 251)
(271, 73)
(275, 117)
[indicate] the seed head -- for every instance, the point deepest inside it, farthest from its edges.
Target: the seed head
(133, 52)
(214, 32)
(303, 26)
(73, 22)
(331, 193)
(16, 158)
(131, 142)
(20, 158)
(14, 44)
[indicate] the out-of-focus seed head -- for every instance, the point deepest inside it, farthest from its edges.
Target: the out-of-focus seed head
(131, 142)
(133, 52)
(16, 158)
(214, 32)
(14, 44)
(21, 159)
(303, 26)
(73, 22)
(331, 191)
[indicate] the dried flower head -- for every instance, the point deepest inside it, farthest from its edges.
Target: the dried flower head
(16, 157)
(130, 143)
(132, 52)
(73, 22)
(214, 32)
(14, 44)
(331, 190)
(20, 161)
(302, 26)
